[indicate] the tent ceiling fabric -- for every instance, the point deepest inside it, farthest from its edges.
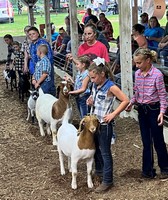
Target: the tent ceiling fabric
(29, 2)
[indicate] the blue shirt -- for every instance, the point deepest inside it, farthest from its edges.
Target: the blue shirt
(157, 32)
(53, 36)
(33, 53)
(79, 79)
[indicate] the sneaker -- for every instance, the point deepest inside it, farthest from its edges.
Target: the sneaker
(148, 176)
(103, 188)
(164, 175)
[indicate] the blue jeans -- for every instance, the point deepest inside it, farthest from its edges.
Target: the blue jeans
(48, 88)
(103, 156)
(81, 104)
(152, 135)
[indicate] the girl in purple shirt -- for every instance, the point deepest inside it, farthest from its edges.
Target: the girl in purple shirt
(151, 98)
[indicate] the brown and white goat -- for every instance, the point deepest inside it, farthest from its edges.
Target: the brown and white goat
(76, 145)
(51, 110)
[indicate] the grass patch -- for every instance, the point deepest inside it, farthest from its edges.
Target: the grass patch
(16, 28)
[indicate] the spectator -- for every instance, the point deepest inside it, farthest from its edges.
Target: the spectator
(68, 49)
(90, 18)
(137, 33)
(9, 41)
(59, 55)
(154, 33)
(102, 38)
(163, 49)
(54, 34)
(42, 76)
(106, 27)
(91, 45)
(67, 23)
(144, 20)
(151, 98)
(25, 49)
(19, 8)
(166, 27)
(58, 41)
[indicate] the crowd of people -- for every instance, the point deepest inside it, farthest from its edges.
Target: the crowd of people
(94, 87)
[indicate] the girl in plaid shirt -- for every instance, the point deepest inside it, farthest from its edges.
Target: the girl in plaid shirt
(151, 98)
(101, 101)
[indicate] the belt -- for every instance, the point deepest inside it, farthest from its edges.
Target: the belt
(150, 104)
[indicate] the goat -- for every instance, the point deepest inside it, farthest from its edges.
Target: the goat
(51, 110)
(10, 78)
(31, 103)
(76, 145)
(24, 85)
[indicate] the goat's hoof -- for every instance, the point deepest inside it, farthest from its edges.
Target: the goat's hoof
(62, 173)
(90, 185)
(74, 187)
(54, 143)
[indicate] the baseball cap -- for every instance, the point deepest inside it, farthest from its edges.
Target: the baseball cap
(144, 14)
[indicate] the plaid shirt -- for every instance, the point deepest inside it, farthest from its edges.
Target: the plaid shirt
(26, 46)
(102, 102)
(107, 27)
(18, 60)
(150, 89)
(43, 66)
(10, 51)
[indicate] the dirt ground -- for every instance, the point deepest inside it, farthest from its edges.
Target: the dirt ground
(29, 165)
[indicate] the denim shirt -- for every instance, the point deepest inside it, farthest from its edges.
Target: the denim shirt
(79, 79)
(33, 53)
(102, 102)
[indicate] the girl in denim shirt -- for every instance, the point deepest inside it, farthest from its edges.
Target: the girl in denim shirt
(101, 101)
(81, 84)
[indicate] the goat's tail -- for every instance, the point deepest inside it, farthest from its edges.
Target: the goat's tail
(67, 116)
(40, 91)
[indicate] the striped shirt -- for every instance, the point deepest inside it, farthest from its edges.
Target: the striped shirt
(150, 89)
(102, 101)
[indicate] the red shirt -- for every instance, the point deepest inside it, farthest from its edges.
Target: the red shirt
(99, 49)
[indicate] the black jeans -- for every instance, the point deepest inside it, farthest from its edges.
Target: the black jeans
(152, 135)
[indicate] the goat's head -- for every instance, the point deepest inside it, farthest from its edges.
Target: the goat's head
(89, 122)
(34, 94)
(64, 88)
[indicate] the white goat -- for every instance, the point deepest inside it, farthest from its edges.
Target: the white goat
(31, 104)
(77, 145)
(51, 110)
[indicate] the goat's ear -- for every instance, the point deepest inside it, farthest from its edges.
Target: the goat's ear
(71, 87)
(58, 91)
(81, 126)
(30, 91)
